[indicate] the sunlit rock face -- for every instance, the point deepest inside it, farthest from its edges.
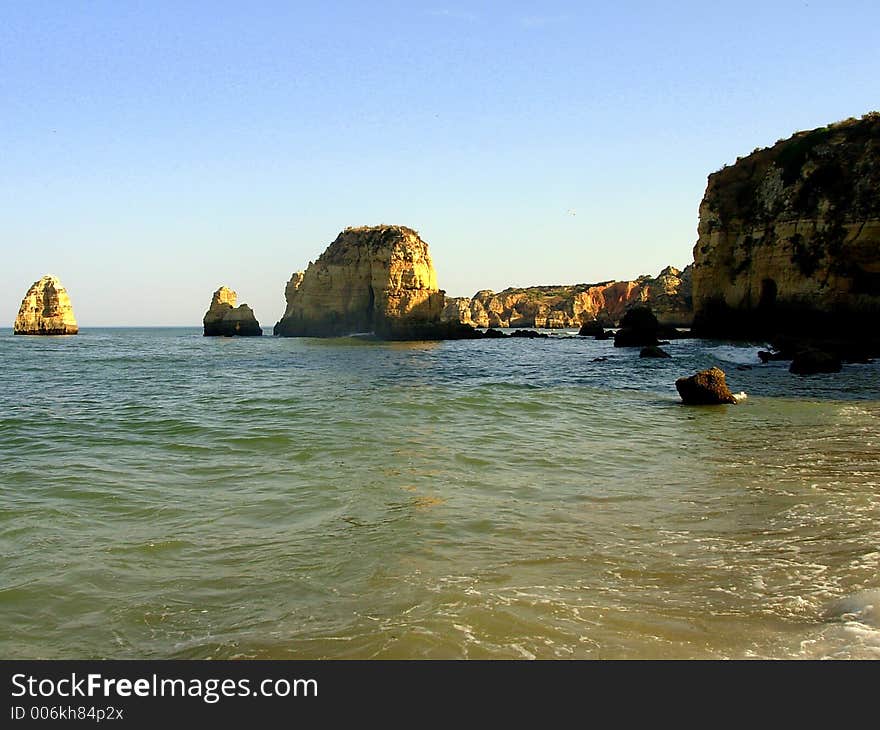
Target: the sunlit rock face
(789, 237)
(46, 310)
(370, 279)
(556, 307)
(224, 319)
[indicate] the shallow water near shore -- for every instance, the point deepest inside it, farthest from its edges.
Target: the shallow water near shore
(166, 495)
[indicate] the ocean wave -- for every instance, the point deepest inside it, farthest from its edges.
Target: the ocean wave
(862, 607)
(736, 354)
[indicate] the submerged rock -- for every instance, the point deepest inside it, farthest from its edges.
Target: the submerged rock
(529, 334)
(653, 351)
(46, 310)
(370, 279)
(708, 387)
(224, 319)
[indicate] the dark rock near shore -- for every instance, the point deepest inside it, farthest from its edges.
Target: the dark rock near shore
(810, 362)
(449, 330)
(708, 387)
(454, 330)
(591, 329)
(805, 350)
(653, 351)
(638, 328)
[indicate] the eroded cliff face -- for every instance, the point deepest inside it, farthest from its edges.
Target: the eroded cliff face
(789, 236)
(370, 279)
(46, 310)
(668, 295)
(224, 319)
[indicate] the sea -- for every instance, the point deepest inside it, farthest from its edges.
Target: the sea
(168, 495)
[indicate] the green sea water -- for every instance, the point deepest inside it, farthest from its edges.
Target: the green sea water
(166, 495)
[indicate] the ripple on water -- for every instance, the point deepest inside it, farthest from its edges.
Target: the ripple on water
(168, 495)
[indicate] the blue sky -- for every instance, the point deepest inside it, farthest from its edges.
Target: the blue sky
(152, 151)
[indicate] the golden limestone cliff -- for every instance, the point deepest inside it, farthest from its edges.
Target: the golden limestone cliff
(46, 310)
(789, 237)
(370, 279)
(557, 307)
(224, 319)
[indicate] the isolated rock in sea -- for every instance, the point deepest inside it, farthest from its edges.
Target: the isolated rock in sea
(789, 238)
(708, 387)
(653, 351)
(370, 279)
(557, 307)
(46, 310)
(638, 328)
(224, 319)
(592, 329)
(810, 362)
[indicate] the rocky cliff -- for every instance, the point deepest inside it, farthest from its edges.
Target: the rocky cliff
(668, 295)
(789, 237)
(46, 310)
(224, 319)
(370, 279)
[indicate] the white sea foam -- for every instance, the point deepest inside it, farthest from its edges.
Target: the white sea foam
(735, 354)
(863, 607)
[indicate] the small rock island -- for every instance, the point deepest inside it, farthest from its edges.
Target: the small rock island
(224, 319)
(370, 279)
(46, 310)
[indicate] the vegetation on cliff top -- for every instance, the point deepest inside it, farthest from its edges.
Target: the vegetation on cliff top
(835, 168)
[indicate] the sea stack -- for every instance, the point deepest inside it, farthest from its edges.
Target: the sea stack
(789, 239)
(376, 279)
(46, 310)
(224, 319)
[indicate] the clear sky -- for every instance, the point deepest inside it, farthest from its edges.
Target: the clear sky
(152, 151)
